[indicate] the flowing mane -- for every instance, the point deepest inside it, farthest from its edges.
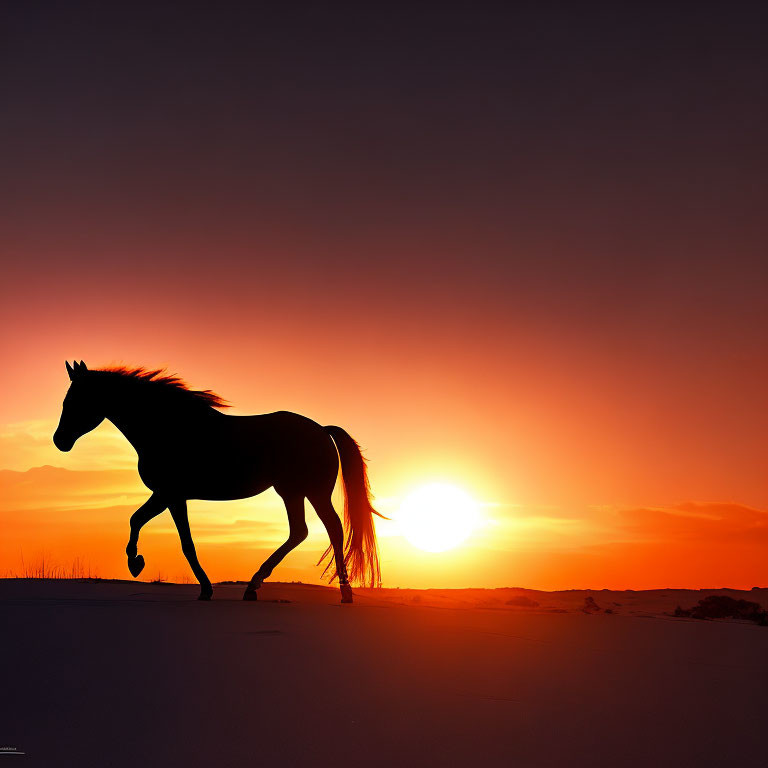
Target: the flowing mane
(161, 381)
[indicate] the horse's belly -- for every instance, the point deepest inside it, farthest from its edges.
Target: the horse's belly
(212, 479)
(215, 493)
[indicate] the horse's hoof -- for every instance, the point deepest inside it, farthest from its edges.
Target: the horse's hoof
(250, 594)
(346, 593)
(136, 565)
(206, 593)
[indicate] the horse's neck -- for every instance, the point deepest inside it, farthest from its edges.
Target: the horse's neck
(141, 424)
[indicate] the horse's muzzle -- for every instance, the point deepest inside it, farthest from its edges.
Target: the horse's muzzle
(62, 443)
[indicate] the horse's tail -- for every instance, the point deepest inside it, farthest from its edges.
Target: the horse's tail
(361, 552)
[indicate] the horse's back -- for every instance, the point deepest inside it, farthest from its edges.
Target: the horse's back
(274, 431)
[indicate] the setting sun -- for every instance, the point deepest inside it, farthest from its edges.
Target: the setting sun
(437, 517)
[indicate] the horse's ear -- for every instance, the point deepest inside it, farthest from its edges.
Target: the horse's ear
(83, 367)
(70, 370)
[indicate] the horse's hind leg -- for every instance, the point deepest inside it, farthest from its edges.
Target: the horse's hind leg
(325, 511)
(294, 505)
(180, 517)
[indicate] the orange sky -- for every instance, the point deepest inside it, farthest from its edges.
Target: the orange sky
(571, 497)
(518, 252)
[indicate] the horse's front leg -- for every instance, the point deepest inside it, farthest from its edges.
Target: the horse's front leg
(152, 508)
(180, 517)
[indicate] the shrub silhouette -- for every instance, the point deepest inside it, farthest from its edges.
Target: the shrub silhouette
(724, 607)
(590, 606)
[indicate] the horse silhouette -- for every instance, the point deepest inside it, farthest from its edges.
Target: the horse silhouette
(188, 449)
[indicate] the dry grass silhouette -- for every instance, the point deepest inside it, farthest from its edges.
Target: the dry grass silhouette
(43, 567)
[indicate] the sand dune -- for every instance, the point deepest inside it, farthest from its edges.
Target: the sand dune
(134, 674)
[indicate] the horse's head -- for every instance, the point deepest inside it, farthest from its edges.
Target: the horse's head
(82, 410)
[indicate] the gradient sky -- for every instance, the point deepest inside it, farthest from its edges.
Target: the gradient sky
(520, 249)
